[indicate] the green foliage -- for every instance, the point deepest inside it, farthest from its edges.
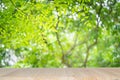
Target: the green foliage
(59, 33)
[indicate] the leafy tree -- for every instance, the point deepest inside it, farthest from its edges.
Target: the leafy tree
(59, 33)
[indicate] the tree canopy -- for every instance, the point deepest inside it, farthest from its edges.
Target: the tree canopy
(59, 33)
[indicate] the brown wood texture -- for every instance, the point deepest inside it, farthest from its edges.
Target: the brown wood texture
(60, 74)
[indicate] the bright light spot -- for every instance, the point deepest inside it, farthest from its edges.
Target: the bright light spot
(70, 16)
(2, 45)
(10, 57)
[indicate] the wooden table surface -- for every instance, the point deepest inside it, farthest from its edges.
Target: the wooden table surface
(60, 74)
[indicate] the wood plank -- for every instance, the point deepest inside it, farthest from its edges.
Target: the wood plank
(60, 74)
(4, 71)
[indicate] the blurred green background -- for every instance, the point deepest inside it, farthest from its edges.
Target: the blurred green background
(59, 33)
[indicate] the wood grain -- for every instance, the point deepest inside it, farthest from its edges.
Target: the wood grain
(60, 74)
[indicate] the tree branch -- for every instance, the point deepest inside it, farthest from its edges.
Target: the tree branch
(17, 8)
(96, 39)
(59, 43)
(57, 36)
(87, 53)
(74, 46)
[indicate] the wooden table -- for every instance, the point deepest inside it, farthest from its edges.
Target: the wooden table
(60, 74)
